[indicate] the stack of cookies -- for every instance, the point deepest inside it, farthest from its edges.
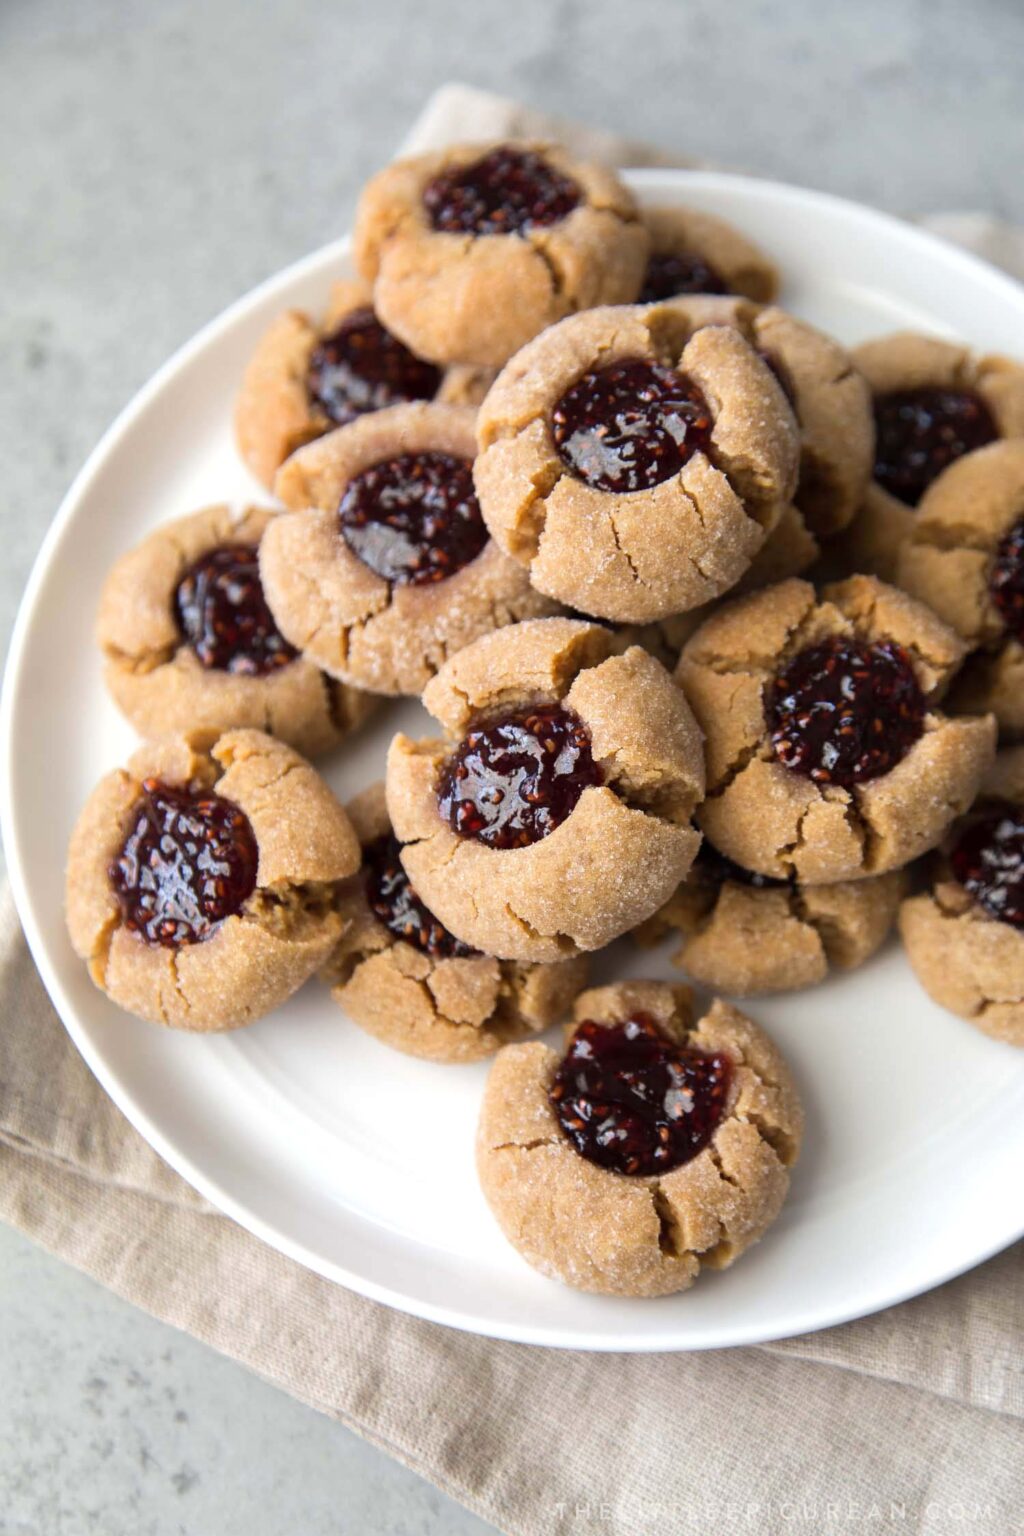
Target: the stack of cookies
(720, 626)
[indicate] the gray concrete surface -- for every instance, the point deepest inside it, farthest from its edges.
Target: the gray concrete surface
(156, 159)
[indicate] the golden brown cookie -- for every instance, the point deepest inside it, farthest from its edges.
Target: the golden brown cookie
(560, 1192)
(201, 879)
(400, 975)
(745, 933)
(385, 567)
(934, 401)
(305, 379)
(965, 558)
(556, 813)
(965, 935)
(827, 756)
(190, 643)
(695, 252)
(635, 464)
(475, 248)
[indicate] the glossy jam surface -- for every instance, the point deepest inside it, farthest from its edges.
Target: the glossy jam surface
(715, 868)
(919, 432)
(682, 272)
(631, 1100)
(512, 781)
(413, 519)
(361, 367)
(845, 710)
(502, 193)
(394, 902)
(988, 861)
(189, 861)
(631, 425)
(222, 614)
(1006, 580)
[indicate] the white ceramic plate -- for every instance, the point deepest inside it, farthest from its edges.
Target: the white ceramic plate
(358, 1162)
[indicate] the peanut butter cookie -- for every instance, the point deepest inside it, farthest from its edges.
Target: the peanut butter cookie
(473, 249)
(190, 643)
(934, 402)
(556, 814)
(745, 933)
(305, 379)
(201, 879)
(385, 567)
(684, 1168)
(695, 252)
(400, 975)
(965, 558)
(827, 756)
(635, 464)
(965, 936)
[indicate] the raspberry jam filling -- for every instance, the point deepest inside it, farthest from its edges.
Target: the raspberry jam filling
(189, 862)
(633, 1101)
(394, 902)
(361, 367)
(715, 868)
(1006, 580)
(222, 614)
(845, 710)
(413, 519)
(505, 191)
(513, 781)
(920, 432)
(631, 425)
(988, 861)
(667, 276)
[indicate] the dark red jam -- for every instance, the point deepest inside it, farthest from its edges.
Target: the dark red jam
(684, 272)
(505, 191)
(512, 781)
(361, 367)
(414, 519)
(988, 861)
(222, 614)
(631, 1100)
(920, 432)
(630, 426)
(716, 868)
(845, 710)
(393, 900)
(189, 862)
(1006, 580)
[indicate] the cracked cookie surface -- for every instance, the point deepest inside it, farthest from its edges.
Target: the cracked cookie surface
(189, 643)
(399, 975)
(201, 879)
(703, 431)
(468, 274)
(642, 1234)
(354, 490)
(783, 823)
(554, 884)
(695, 252)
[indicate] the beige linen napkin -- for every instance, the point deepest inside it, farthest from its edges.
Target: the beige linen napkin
(907, 1421)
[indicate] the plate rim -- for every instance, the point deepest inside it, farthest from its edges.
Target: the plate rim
(552, 1336)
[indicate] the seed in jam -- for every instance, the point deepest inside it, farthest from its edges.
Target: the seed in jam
(393, 900)
(512, 781)
(845, 710)
(413, 519)
(222, 614)
(505, 191)
(682, 272)
(633, 1101)
(1006, 580)
(631, 425)
(920, 432)
(361, 367)
(189, 862)
(988, 861)
(715, 868)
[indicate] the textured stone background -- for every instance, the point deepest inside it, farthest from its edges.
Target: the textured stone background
(156, 159)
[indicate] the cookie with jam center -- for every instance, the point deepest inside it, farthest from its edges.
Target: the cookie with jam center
(693, 252)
